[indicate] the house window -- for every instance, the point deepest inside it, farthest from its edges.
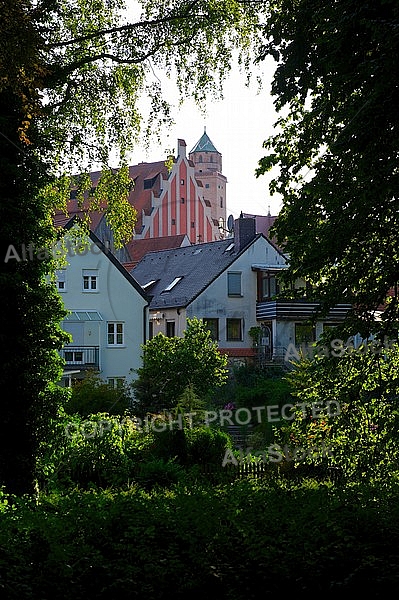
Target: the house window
(207, 185)
(270, 287)
(221, 202)
(181, 181)
(115, 334)
(304, 334)
(116, 382)
(182, 200)
(170, 328)
(73, 356)
(233, 330)
(90, 280)
(200, 159)
(213, 326)
(234, 284)
(173, 221)
(151, 330)
(192, 224)
(61, 280)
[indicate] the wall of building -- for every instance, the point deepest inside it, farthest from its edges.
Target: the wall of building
(215, 302)
(180, 207)
(117, 301)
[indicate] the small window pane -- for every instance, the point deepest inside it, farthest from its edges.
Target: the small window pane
(304, 334)
(234, 330)
(213, 326)
(234, 284)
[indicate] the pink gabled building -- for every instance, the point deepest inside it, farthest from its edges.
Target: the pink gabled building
(189, 199)
(185, 202)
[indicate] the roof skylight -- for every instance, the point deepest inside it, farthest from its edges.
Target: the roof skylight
(172, 285)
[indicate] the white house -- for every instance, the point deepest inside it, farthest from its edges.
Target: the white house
(108, 317)
(231, 284)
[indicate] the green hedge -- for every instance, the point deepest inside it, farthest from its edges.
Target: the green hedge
(193, 540)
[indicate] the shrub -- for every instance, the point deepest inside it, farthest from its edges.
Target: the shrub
(207, 445)
(93, 395)
(158, 472)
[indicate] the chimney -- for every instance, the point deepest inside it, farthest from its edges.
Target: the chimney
(244, 232)
(181, 148)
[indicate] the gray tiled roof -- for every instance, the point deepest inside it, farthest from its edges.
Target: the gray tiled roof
(197, 265)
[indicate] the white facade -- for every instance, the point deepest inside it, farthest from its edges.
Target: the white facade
(216, 302)
(109, 315)
(238, 299)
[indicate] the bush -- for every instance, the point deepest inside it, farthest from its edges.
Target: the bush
(207, 445)
(93, 395)
(100, 450)
(158, 472)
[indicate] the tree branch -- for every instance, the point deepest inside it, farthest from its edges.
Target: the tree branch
(125, 28)
(125, 61)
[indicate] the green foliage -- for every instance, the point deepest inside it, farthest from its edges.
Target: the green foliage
(170, 444)
(175, 368)
(226, 541)
(93, 395)
(94, 66)
(159, 472)
(335, 149)
(207, 445)
(93, 453)
(260, 390)
(71, 77)
(361, 425)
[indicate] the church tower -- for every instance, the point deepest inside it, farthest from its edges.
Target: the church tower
(208, 170)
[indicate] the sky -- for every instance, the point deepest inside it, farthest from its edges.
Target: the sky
(237, 125)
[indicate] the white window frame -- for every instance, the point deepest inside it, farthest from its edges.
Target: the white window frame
(115, 325)
(172, 284)
(61, 279)
(116, 382)
(91, 276)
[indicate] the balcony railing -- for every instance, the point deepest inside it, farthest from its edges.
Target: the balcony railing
(84, 357)
(297, 309)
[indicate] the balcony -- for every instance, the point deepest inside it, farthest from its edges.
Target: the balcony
(82, 357)
(289, 310)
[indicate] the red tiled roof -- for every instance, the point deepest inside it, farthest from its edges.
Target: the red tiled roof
(390, 294)
(60, 219)
(237, 352)
(263, 224)
(139, 248)
(139, 197)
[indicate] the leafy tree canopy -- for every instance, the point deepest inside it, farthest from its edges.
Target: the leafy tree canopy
(336, 148)
(173, 366)
(72, 74)
(80, 68)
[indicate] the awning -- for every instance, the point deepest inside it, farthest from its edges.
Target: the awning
(84, 315)
(271, 268)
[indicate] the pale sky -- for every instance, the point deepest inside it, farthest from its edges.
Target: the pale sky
(237, 125)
